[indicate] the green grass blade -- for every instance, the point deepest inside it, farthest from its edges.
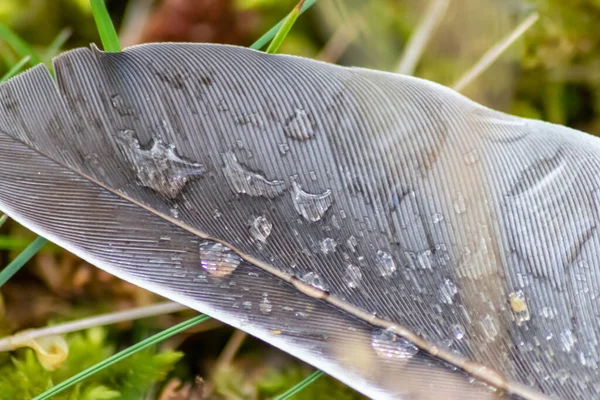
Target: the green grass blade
(57, 44)
(15, 69)
(264, 39)
(3, 219)
(285, 29)
(300, 386)
(21, 259)
(167, 333)
(18, 44)
(106, 29)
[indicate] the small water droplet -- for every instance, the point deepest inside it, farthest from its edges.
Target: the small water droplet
(174, 211)
(119, 104)
(458, 331)
(311, 206)
(328, 245)
(241, 180)
(489, 327)
(352, 276)
(472, 157)
(351, 243)
(519, 307)
(548, 312)
(389, 345)
(299, 126)
(313, 175)
(424, 259)
(460, 204)
(265, 305)
(436, 218)
(385, 263)
(247, 305)
(217, 213)
(217, 259)
(284, 148)
(222, 106)
(447, 291)
(567, 340)
(313, 279)
(158, 168)
(260, 229)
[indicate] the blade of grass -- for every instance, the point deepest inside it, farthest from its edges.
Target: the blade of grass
(264, 39)
(21, 259)
(57, 44)
(106, 29)
(18, 44)
(15, 69)
(300, 386)
(496, 51)
(152, 340)
(3, 219)
(285, 29)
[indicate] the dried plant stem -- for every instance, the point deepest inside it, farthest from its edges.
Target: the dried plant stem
(494, 53)
(12, 342)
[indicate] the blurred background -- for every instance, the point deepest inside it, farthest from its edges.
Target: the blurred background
(550, 72)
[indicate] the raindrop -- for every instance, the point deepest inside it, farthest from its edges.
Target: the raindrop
(241, 180)
(311, 206)
(118, 104)
(328, 245)
(313, 279)
(519, 307)
(265, 305)
(567, 340)
(389, 345)
(385, 263)
(460, 204)
(217, 259)
(447, 291)
(260, 229)
(299, 126)
(352, 276)
(158, 168)
(472, 157)
(458, 331)
(437, 218)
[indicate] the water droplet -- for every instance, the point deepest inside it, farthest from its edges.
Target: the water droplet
(299, 126)
(247, 305)
(472, 157)
(260, 229)
(241, 180)
(458, 331)
(519, 307)
(217, 213)
(311, 206)
(222, 106)
(385, 263)
(313, 279)
(174, 211)
(351, 243)
(447, 291)
(489, 327)
(567, 340)
(284, 148)
(460, 204)
(265, 305)
(313, 175)
(217, 259)
(389, 345)
(548, 312)
(328, 245)
(424, 259)
(119, 104)
(352, 276)
(436, 218)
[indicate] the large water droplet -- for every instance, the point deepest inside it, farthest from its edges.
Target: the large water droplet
(519, 307)
(385, 263)
(447, 291)
(265, 305)
(311, 206)
(389, 345)
(352, 276)
(299, 126)
(217, 259)
(460, 204)
(313, 279)
(241, 180)
(159, 167)
(328, 245)
(260, 229)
